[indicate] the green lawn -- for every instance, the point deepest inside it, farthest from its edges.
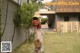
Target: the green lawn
(55, 43)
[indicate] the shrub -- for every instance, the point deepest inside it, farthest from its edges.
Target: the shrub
(44, 20)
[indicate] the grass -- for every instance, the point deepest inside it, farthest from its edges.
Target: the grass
(24, 48)
(55, 43)
(66, 43)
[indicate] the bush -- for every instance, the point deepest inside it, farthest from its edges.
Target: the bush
(44, 20)
(17, 19)
(27, 12)
(31, 38)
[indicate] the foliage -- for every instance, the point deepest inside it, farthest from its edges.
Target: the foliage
(27, 12)
(31, 38)
(24, 17)
(38, 2)
(17, 18)
(44, 20)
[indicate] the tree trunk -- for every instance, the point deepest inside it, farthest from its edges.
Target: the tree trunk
(27, 32)
(28, 1)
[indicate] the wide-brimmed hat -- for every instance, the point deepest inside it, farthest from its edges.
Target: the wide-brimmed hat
(36, 14)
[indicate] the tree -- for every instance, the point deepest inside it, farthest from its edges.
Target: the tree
(27, 12)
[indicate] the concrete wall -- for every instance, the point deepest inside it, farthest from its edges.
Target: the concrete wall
(7, 24)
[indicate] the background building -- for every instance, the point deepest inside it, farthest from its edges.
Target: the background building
(66, 17)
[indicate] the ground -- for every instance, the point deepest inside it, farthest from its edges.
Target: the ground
(55, 43)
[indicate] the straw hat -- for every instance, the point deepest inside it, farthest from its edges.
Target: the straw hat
(36, 14)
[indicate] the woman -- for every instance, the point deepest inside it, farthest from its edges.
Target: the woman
(38, 40)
